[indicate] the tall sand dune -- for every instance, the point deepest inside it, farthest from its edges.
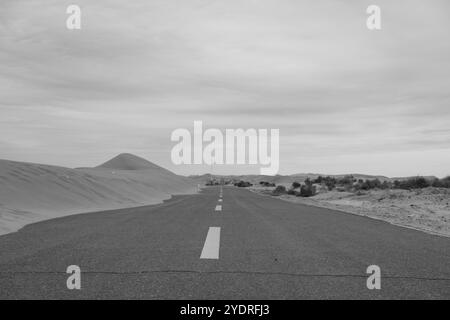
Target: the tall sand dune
(33, 192)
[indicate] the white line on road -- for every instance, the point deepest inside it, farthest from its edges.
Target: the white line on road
(212, 244)
(219, 207)
(220, 200)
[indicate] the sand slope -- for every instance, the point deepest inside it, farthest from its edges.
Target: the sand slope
(33, 192)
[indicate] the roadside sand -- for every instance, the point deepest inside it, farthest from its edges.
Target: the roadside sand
(422, 209)
(34, 192)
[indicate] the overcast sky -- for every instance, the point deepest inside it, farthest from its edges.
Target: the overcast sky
(345, 99)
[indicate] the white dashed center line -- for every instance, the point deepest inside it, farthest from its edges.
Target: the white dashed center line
(212, 244)
(220, 200)
(219, 207)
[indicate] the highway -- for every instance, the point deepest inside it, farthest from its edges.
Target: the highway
(230, 244)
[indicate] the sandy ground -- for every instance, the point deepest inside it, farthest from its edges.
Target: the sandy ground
(34, 192)
(423, 209)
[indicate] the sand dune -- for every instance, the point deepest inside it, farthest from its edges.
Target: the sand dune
(33, 192)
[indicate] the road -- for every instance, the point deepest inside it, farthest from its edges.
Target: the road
(247, 246)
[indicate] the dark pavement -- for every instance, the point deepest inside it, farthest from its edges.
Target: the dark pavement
(269, 249)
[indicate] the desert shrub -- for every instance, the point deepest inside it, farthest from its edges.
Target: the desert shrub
(348, 183)
(307, 190)
(419, 182)
(318, 180)
(385, 185)
(243, 184)
(373, 184)
(279, 190)
(296, 185)
(436, 183)
(346, 180)
(328, 181)
(441, 183)
(445, 182)
(331, 184)
(360, 185)
(412, 183)
(292, 192)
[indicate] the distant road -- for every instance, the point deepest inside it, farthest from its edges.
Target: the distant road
(246, 246)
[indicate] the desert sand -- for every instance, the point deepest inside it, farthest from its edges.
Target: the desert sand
(34, 192)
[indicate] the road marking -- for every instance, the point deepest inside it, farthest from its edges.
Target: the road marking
(219, 207)
(220, 200)
(212, 244)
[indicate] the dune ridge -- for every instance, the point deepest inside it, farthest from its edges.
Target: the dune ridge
(33, 192)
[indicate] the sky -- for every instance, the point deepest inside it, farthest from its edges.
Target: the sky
(345, 99)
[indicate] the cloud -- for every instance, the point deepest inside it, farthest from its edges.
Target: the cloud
(138, 70)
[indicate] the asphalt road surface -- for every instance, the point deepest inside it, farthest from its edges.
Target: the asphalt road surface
(246, 246)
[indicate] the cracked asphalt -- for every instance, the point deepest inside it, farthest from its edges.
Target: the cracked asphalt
(269, 249)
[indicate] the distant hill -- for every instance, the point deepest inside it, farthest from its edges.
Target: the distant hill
(283, 179)
(255, 179)
(406, 178)
(127, 161)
